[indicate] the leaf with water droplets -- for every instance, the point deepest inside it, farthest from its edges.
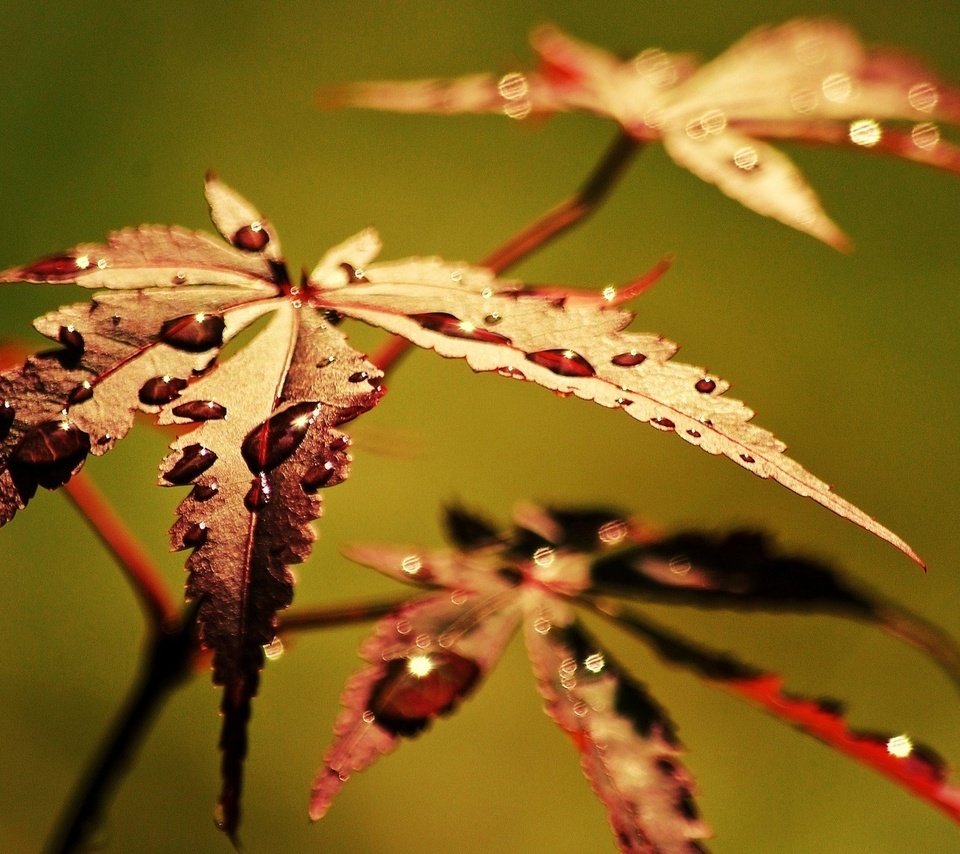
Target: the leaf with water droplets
(282, 413)
(808, 80)
(423, 660)
(628, 746)
(573, 343)
(915, 767)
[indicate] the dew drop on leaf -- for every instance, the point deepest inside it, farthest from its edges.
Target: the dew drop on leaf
(318, 477)
(204, 491)
(50, 451)
(274, 441)
(747, 458)
(196, 535)
(195, 461)
(259, 494)
(629, 360)
(56, 268)
(565, 363)
(663, 424)
(340, 443)
(70, 338)
(193, 333)
(80, 393)
(200, 410)
(705, 386)
(161, 390)
(251, 238)
(7, 414)
(416, 689)
(452, 326)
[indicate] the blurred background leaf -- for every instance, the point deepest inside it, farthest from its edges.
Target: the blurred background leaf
(112, 112)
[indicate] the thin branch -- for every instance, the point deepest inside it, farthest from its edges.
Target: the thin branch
(542, 230)
(165, 665)
(569, 212)
(319, 617)
(133, 559)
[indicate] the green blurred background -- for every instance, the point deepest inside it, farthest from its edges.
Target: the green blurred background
(111, 113)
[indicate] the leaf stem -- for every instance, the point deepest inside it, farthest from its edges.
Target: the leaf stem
(320, 617)
(139, 569)
(543, 229)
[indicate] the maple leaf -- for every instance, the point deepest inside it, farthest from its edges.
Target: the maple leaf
(808, 80)
(264, 437)
(432, 652)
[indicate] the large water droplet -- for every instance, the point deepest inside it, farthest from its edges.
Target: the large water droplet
(161, 390)
(50, 451)
(705, 386)
(565, 363)
(453, 327)
(194, 333)
(200, 410)
(259, 494)
(339, 443)
(663, 424)
(251, 238)
(417, 689)
(274, 441)
(195, 460)
(7, 414)
(70, 338)
(629, 359)
(55, 268)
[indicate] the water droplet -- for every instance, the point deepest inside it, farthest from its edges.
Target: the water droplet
(205, 491)
(613, 532)
(746, 158)
(923, 97)
(259, 494)
(180, 278)
(368, 717)
(70, 338)
(580, 709)
(565, 363)
(411, 564)
(458, 597)
(595, 662)
(544, 556)
(194, 461)
(680, 565)
(629, 360)
(273, 650)
(326, 362)
(200, 410)
(358, 377)
(55, 268)
(694, 433)
(804, 100)
(116, 319)
(713, 122)
(196, 535)
(415, 690)
(80, 393)
(317, 477)
(493, 318)
(925, 135)
(193, 333)
(403, 627)
(623, 401)
(513, 373)
(705, 385)
(865, 132)
(423, 641)
(542, 625)
(274, 441)
(747, 458)
(837, 87)
(50, 451)
(7, 414)
(663, 424)
(161, 390)
(251, 238)
(340, 443)
(900, 746)
(354, 276)
(453, 327)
